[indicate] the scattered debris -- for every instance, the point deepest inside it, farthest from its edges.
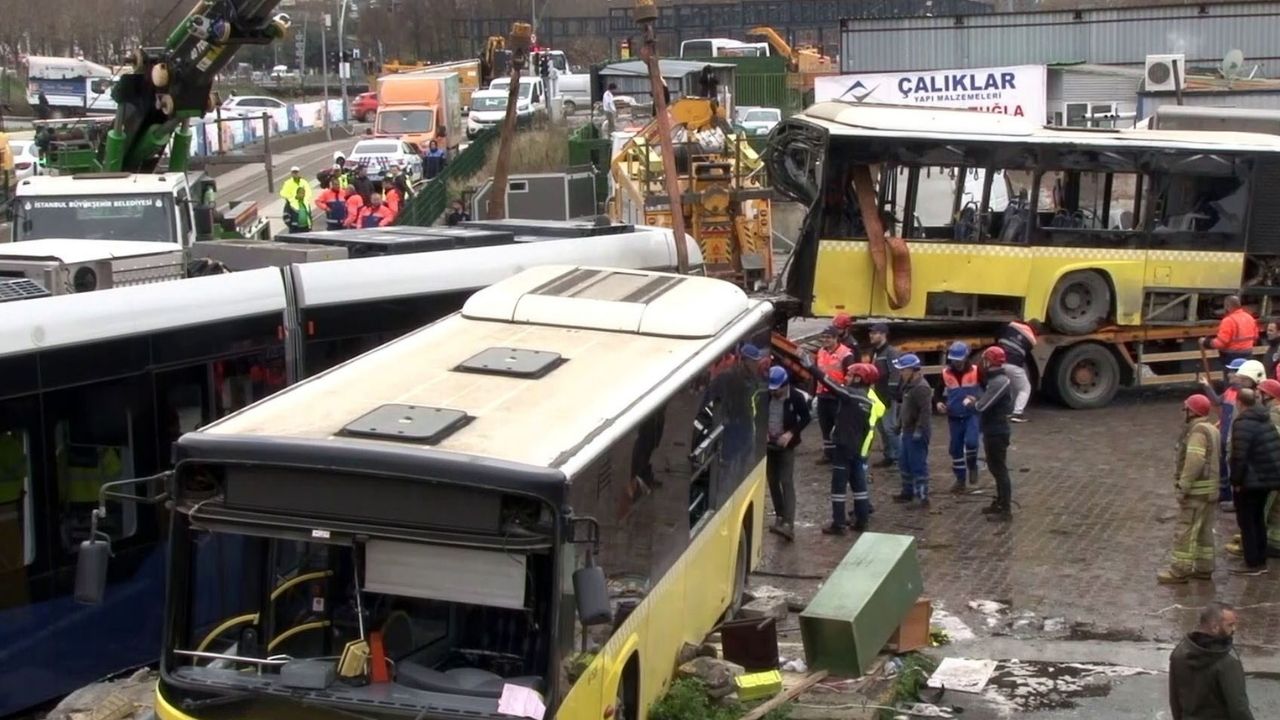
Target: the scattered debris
(1033, 685)
(988, 607)
(796, 665)
(962, 674)
(716, 675)
(952, 626)
(774, 607)
(111, 700)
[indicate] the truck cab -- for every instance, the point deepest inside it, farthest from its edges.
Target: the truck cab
(420, 106)
(75, 233)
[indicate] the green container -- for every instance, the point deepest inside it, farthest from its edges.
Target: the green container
(857, 609)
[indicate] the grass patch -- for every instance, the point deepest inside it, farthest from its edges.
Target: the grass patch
(687, 699)
(906, 687)
(532, 151)
(13, 94)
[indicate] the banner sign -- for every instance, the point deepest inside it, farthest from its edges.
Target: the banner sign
(1017, 90)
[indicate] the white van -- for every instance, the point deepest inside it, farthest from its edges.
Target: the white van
(532, 101)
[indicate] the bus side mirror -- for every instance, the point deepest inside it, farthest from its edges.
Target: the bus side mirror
(91, 571)
(592, 596)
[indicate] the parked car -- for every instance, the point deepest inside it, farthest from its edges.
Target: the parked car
(253, 104)
(757, 120)
(365, 106)
(26, 162)
(377, 156)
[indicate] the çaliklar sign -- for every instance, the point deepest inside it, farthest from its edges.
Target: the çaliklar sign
(1018, 90)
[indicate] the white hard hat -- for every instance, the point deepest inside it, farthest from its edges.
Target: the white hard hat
(295, 168)
(1253, 370)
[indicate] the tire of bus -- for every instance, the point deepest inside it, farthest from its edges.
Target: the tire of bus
(1080, 303)
(1084, 376)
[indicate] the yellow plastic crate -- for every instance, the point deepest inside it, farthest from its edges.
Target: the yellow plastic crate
(758, 686)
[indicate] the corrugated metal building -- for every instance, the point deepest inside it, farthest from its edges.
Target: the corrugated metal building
(1114, 36)
(1088, 95)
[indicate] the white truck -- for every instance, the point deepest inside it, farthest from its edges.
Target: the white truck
(72, 87)
(76, 233)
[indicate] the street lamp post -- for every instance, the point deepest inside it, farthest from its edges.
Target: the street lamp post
(344, 67)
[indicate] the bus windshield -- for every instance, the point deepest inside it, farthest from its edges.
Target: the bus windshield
(97, 217)
(251, 598)
(403, 122)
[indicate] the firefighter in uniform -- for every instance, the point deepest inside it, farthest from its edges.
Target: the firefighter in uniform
(849, 436)
(959, 381)
(830, 361)
(1197, 485)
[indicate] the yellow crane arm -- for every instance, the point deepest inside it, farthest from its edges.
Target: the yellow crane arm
(771, 36)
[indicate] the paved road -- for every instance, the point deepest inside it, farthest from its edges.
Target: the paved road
(1092, 525)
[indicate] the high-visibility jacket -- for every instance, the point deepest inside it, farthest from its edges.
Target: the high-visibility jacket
(355, 204)
(334, 207)
(289, 189)
(956, 386)
(371, 217)
(878, 409)
(1198, 452)
(1238, 332)
(81, 484)
(830, 362)
(392, 200)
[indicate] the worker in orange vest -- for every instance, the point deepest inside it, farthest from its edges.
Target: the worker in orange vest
(830, 361)
(355, 203)
(375, 214)
(1237, 334)
(334, 206)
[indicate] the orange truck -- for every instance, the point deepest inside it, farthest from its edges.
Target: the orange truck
(421, 106)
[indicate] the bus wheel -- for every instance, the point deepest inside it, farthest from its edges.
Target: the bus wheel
(1080, 302)
(1086, 376)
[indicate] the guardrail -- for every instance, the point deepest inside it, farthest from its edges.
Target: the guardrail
(429, 204)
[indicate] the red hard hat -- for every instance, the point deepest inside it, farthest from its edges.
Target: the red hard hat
(994, 356)
(842, 321)
(1270, 387)
(1199, 404)
(866, 372)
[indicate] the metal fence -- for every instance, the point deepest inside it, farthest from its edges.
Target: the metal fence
(429, 204)
(776, 90)
(588, 149)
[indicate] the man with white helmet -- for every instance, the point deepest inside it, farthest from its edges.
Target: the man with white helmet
(788, 416)
(1245, 374)
(1196, 471)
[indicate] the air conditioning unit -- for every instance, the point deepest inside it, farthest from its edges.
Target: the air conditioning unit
(1165, 73)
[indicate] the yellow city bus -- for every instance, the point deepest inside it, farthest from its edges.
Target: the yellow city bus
(990, 216)
(542, 496)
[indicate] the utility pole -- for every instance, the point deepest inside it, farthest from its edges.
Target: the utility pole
(646, 15)
(344, 67)
(326, 23)
(521, 39)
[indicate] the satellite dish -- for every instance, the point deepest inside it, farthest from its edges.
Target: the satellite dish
(1232, 64)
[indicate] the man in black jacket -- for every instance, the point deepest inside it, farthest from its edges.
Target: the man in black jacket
(1206, 680)
(1255, 472)
(788, 416)
(853, 423)
(883, 355)
(995, 407)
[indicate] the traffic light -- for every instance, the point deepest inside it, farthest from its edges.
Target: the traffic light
(333, 58)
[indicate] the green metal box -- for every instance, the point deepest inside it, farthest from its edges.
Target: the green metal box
(857, 609)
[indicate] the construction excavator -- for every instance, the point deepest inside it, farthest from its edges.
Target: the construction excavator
(804, 63)
(724, 190)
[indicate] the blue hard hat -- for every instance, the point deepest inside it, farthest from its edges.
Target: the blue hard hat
(751, 352)
(777, 377)
(958, 351)
(1235, 364)
(907, 362)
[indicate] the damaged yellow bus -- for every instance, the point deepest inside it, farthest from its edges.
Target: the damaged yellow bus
(934, 214)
